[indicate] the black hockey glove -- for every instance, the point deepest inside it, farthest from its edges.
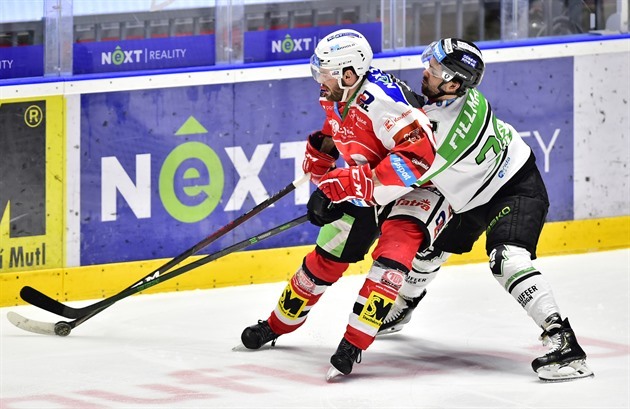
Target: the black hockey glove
(321, 210)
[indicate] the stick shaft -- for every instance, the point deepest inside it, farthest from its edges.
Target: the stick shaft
(181, 270)
(43, 301)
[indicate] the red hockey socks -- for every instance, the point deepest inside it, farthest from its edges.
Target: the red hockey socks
(303, 291)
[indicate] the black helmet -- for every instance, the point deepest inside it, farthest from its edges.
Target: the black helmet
(461, 60)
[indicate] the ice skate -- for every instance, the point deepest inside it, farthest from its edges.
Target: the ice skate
(257, 335)
(400, 314)
(566, 360)
(343, 359)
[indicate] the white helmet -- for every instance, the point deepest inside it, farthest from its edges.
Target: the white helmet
(338, 50)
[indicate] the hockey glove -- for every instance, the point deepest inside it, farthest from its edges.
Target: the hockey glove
(355, 182)
(321, 210)
(316, 162)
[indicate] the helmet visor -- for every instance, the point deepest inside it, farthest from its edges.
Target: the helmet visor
(431, 60)
(321, 75)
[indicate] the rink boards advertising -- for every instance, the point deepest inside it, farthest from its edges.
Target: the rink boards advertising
(175, 52)
(31, 184)
(23, 61)
(289, 44)
(187, 161)
(104, 177)
(172, 165)
(145, 54)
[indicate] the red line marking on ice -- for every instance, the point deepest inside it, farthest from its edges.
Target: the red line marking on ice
(68, 403)
(179, 395)
(174, 390)
(616, 349)
(277, 373)
(199, 378)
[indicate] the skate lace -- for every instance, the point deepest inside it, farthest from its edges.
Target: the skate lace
(352, 352)
(393, 315)
(266, 333)
(554, 342)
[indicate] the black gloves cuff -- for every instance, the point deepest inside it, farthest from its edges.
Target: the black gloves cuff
(320, 210)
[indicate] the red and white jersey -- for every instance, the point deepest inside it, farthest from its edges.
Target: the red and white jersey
(380, 126)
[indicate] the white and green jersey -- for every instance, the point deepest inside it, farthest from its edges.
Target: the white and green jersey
(476, 154)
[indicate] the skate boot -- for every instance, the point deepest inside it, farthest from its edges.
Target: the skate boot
(258, 335)
(343, 359)
(566, 360)
(400, 314)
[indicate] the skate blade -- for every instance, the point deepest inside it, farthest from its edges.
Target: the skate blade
(332, 374)
(565, 372)
(389, 331)
(243, 348)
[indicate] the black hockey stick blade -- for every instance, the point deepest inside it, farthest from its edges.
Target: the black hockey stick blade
(63, 328)
(43, 301)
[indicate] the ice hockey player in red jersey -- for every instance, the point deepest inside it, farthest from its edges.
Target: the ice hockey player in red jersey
(489, 176)
(372, 123)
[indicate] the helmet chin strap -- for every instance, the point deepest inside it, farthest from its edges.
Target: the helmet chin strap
(442, 92)
(346, 88)
(345, 94)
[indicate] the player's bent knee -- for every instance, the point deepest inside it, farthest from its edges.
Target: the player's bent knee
(429, 260)
(508, 263)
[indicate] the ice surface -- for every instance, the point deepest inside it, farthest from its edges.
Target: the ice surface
(469, 346)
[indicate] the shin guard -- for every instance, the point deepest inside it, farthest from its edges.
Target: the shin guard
(513, 269)
(424, 269)
(303, 291)
(375, 299)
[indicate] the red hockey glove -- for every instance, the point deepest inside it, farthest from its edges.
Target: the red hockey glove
(315, 162)
(350, 183)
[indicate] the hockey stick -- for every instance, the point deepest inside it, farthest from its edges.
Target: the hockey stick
(63, 328)
(43, 301)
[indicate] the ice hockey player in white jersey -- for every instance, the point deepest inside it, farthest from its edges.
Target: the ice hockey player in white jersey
(489, 176)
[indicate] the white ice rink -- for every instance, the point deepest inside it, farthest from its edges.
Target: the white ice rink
(469, 346)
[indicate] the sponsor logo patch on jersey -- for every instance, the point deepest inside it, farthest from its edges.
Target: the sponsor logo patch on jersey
(424, 204)
(375, 309)
(504, 168)
(420, 162)
(402, 170)
(334, 126)
(440, 222)
(364, 100)
(358, 119)
(414, 136)
(389, 124)
(342, 133)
